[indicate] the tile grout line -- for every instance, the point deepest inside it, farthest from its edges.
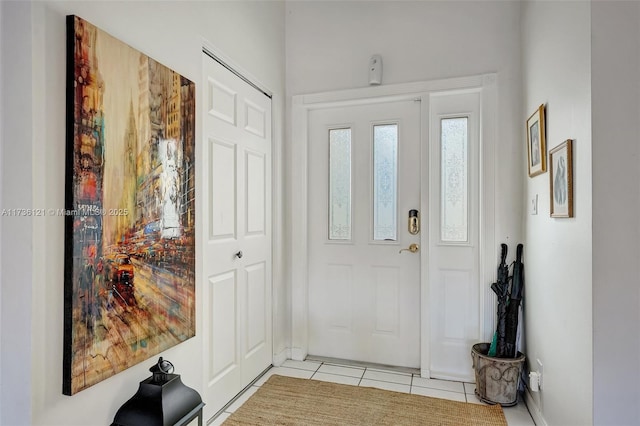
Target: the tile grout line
(316, 370)
(389, 381)
(363, 371)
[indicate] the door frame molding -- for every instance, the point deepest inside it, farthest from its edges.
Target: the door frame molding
(302, 105)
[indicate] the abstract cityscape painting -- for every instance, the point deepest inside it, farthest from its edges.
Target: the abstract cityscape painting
(129, 284)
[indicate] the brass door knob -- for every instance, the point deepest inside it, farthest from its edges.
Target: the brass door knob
(413, 248)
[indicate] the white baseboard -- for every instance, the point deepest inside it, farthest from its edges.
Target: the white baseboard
(533, 408)
(280, 358)
(298, 354)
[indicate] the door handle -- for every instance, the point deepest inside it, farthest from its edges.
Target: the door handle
(239, 254)
(413, 248)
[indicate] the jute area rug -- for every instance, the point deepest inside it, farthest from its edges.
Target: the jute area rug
(290, 401)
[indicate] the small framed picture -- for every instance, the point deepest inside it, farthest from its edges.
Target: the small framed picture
(535, 143)
(561, 180)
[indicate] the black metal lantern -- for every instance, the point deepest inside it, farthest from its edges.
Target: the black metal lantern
(161, 400)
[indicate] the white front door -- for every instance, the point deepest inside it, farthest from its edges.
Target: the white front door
(236, 234)
(364, 178)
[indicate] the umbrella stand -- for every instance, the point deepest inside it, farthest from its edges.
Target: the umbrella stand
(498, 365)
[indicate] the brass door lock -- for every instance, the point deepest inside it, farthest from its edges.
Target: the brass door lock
(414, 222)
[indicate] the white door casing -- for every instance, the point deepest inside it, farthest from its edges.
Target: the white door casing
(236, 232)
(303, 106)
(364, 295)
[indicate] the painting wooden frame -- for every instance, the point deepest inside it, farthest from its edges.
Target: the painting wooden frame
(129, 261)
(561, 180)
(536, 149)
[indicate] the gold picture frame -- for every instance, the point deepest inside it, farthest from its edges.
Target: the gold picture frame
(536, 150)
(561, 179)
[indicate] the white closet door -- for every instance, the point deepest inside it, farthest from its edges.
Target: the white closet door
(236, 234)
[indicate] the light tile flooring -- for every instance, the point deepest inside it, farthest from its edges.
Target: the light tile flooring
(379, 378)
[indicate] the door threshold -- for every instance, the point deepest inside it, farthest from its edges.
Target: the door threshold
(352, 363)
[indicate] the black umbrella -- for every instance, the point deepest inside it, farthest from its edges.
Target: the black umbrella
(501, 289)
(517, 287)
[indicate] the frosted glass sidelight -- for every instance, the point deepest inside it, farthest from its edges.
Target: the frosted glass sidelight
(340, 184)
(385, 182)
(454, 202)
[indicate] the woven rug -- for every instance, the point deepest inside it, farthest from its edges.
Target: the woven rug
(290, 401)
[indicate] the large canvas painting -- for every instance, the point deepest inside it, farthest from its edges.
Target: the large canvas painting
(129, 209)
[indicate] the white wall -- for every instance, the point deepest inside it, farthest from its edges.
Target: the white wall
(616, 203)
(15, 271)
(251, 34)
(558, 319)
(329, 45)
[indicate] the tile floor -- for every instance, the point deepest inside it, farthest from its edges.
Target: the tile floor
(379, 378)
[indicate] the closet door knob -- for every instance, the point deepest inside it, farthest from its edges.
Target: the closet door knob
(239, 254)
